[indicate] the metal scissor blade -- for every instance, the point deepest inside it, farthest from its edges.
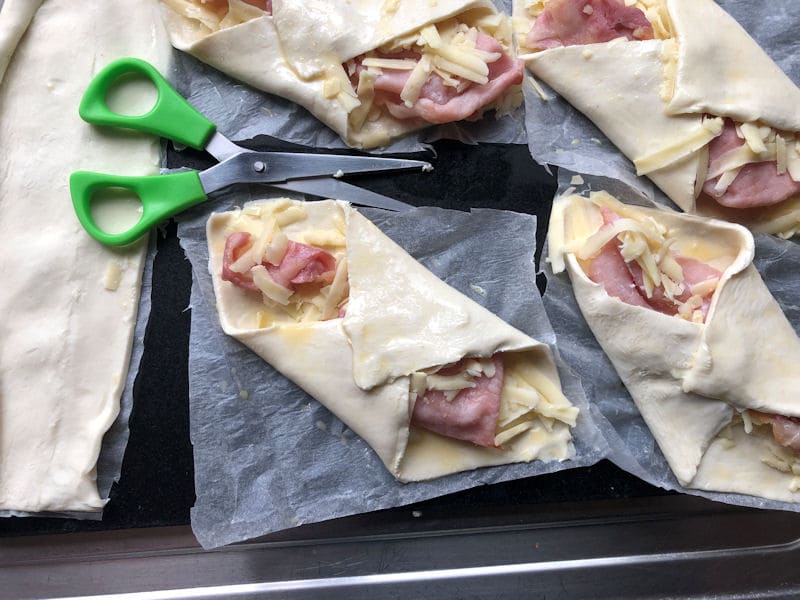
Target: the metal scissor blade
(272, 168)
(325, 187)
(291, 165)
(278, 167)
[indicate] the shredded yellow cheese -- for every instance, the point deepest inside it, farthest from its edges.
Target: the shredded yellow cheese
(676, 152)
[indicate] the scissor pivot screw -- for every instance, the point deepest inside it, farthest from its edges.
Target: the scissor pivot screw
(259, 166)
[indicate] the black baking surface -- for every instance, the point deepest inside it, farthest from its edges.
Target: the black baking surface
(157, 483)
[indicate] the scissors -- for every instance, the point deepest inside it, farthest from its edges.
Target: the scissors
(172, 117)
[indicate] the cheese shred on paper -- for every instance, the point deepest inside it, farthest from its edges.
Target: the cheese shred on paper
(376, 332)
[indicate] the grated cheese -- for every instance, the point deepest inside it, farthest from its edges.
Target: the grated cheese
(733, 159)
(398, 64)
(366, 95)
(747, 421)
(291, 214)
(780, 154)
(418, 384)
(705, 287)
(324, 238)
(331, 88)
(335, 293)
(793, 161)
(430, 35)
(276, 249)
(269, 287)
(595, 243)
(461, 71)
(447, 49)
(641, 240)
(113, 276)
(752, 135)
(419, 75)
(664, 157)
(727, 178)
(508, 434)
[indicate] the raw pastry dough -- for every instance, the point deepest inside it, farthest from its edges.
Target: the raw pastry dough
(650, 98)
(298, 51)
(692, 380)
(400, 319)
(65, 338)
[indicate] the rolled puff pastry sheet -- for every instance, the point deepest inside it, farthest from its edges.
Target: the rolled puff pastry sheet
(690, 381)
(400, 318)
(69, 304)
(649, 98)
(298, 51)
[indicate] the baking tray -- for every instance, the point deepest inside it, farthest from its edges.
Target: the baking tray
(594, 532)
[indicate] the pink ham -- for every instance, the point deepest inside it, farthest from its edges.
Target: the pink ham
(235, 245)
(785, 430)
(438, 103)
(757, 184)
(303, 264)
(624, 280)
(610, 270)
(471, 416)
(300, 264)
(577, 22)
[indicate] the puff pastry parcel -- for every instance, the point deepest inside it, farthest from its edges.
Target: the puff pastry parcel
(705, 351)
(685, 93)
(370, 70)
(432, 381)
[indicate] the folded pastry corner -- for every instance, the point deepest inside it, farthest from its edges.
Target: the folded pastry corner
(370, 70)
(712, 120)
(705, 351)
(433, 382)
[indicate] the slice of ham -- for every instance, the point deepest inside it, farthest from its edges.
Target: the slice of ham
(625, 280)
(785, 430)
(471, 415)
(757, 184)
(438, 103)
(237, 244)
(303, 264)
(300, 264)
(578, 22)
(609, 269)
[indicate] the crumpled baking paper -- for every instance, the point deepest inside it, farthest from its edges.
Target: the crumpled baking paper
(115, 440)
(269, 457)
(633, 447)
(242, 112)
(560, 135)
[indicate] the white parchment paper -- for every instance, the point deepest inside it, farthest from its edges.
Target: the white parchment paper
(269, 457)
(242, 112)
(633, 447)
(560, 135)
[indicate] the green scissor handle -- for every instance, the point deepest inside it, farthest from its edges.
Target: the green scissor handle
(171, 116)
(161, 195)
